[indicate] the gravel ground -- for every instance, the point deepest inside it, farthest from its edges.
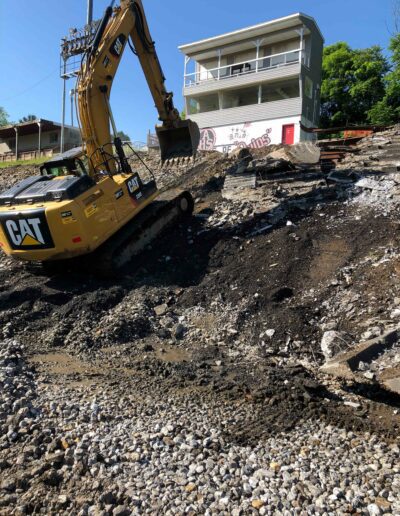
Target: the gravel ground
(119, 453)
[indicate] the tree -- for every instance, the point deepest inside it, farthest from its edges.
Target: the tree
(387, 111)
(395, 18)
(3, 117)
(28, 118)
(124, 137)
(352, 84)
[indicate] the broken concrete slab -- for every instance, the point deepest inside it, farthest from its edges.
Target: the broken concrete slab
(245, 180)
(393, 385)
(270, 165)
(344, 177)
(390, 379)
(346, 365)
(304, 152)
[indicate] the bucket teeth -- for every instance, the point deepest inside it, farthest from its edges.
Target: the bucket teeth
(177, 163)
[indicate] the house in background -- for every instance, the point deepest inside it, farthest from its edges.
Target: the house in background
(254, 86)
(34, 139)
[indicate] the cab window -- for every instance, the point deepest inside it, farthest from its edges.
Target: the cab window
(58, 171)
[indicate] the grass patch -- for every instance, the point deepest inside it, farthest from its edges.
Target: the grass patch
(37, 161)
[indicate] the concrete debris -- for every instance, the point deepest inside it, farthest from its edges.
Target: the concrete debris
(333, 343)
(345, 177)
(197, 381)
(377, 359)
(301, 153)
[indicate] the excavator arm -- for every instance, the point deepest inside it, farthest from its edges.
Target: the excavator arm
(122, 26)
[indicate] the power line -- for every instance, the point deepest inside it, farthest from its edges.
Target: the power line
(31, 87)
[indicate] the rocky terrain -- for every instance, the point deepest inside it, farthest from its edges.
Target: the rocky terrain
(191, 383)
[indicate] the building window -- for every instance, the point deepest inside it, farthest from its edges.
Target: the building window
(280, 90)
(308, 88)
(53, 137)
(240, 97)
(203, 104)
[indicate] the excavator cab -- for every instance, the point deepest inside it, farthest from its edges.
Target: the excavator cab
(178, 142)
(68, 163)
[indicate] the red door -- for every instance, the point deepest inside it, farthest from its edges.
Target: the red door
(288, 134)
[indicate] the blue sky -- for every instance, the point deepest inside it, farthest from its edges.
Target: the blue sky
(30, 33)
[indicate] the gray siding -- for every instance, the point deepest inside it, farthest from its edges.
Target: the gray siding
(314, 45)
(253, 113)
(211, 86)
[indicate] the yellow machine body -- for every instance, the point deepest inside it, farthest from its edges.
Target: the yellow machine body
(69, 228)
(84, 198)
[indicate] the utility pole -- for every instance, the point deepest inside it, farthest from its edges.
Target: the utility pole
(89, 17)
(72, 95)
(63, 105)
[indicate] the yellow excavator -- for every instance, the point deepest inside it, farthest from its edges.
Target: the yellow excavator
(89, 202)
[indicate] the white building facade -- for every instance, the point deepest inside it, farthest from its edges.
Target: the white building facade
(255, 86)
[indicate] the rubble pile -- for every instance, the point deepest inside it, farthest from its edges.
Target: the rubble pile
(192, 382)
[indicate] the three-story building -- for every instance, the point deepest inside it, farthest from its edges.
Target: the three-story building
(254, 86)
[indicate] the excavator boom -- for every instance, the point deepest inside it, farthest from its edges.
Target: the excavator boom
(127, 25)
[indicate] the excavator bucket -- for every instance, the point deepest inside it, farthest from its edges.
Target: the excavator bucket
(178, 142)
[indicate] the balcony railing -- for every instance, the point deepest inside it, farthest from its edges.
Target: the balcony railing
(245, 68)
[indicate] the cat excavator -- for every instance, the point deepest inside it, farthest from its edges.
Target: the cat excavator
(89, 204)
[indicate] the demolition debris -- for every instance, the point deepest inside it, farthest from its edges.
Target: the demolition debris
(195, 382)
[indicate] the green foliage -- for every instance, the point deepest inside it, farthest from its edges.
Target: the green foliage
(387, 111)
(183, 114)
(124, 137)
(3, 117)
(37, 161)
(352, 84)
(28, 118)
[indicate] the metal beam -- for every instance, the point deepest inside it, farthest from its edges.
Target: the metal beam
(72, 95)
(16, 143)
(63, 109)
(40, 137)
(89, 16)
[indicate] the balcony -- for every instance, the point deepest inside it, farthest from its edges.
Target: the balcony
(254, 66)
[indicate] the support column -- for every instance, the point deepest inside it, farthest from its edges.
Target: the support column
(89, 16)
(40, 138)
(302, 53)
(72, 94)
(258, 44)
(63, 107)
(259, 93)
(187, 59)
(220, 100)
(16, 143)
(219, 62)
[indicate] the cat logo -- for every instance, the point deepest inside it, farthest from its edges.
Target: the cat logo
(25, 232)
(30, 232)
(118, 45)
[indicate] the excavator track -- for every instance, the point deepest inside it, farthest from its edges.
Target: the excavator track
(135, 236)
